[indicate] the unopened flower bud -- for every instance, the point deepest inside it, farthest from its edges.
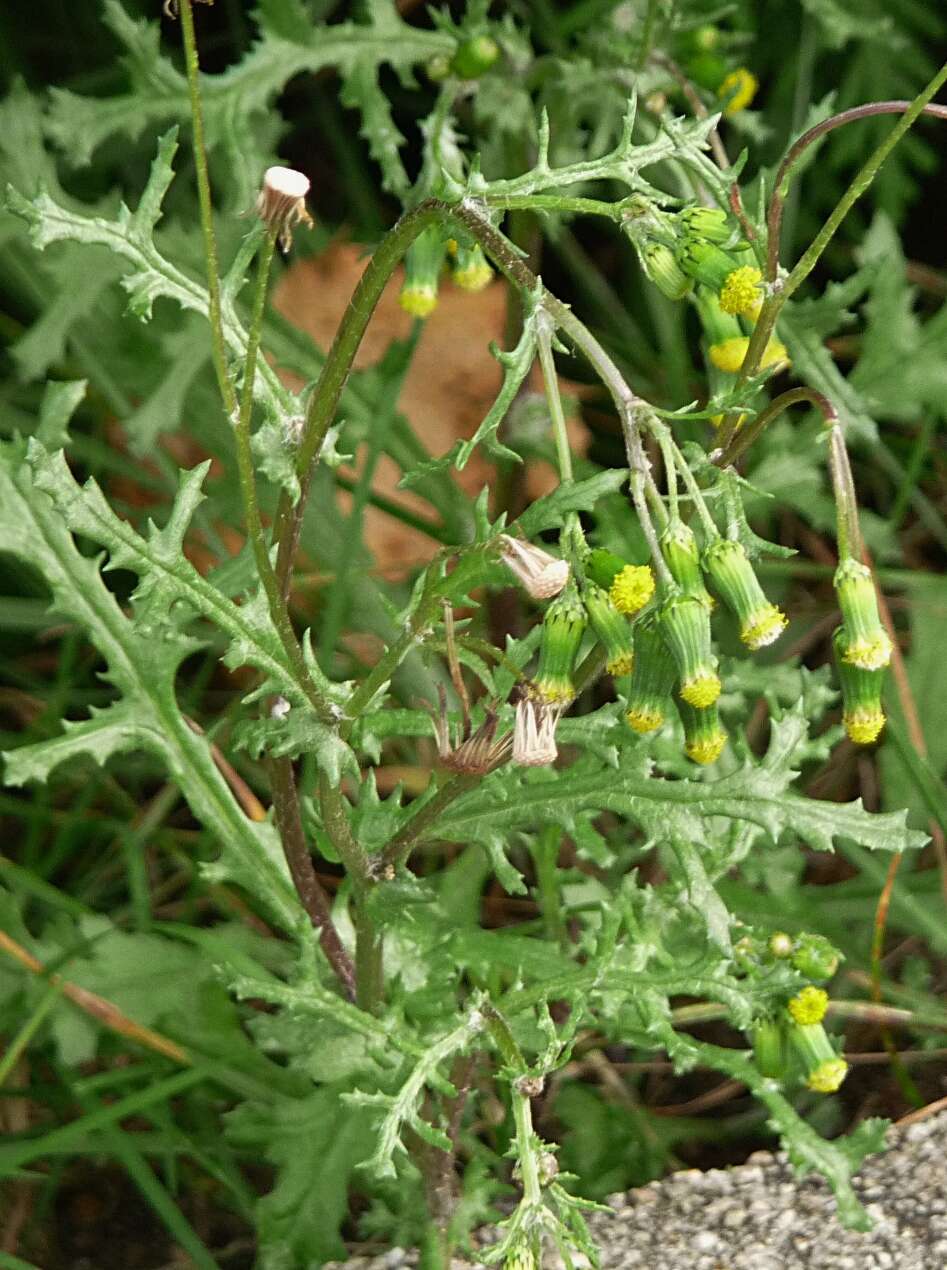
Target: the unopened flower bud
(808, 1006)
(704, 737)
(738, 90)
(685, 624)
(862, 715)
(522, 1257)
(563, 628)
(281, 202)
(474, 57)
(612, 630)
(534, 733)
(815, 957)
(682, 557)
(652, 678)
(470, 271)
(661, 267)
(768, 1049)
(422, 269)
(866, 643)
(704, 224)
(731, 572)
(539, 574)
(707, 68)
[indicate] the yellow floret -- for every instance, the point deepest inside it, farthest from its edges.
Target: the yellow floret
(869, 654)
(708, 749)
(701, 691)
(622, 664)
(475, 278)
(828, 1076)
(632, 588)
(741, 293)
(418, 301)
(864, 726)
(809, 1006)
(644, 720)
(742, 84)
(764, 627)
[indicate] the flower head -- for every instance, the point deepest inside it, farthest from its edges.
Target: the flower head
(704, 738)
(631, 588)
(478, 752)
(828, 1076)
(652, 678)
(780, 944)
(563, 628)
(612, 630)
(534, 733)
(682, 557)
(741, 292)
(862, 717)
(824, 1070)
(422, 267)
(470, 271)
(281, 202)
(815, 957)
(731, 572)
(809, 1005)
(660, 265)
(685, 625)
(539, 574)
(739, 89)
(865, 641)
(707, 224)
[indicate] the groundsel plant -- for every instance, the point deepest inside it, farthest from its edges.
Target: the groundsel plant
(397, 1015)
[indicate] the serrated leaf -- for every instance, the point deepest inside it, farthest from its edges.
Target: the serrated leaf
(550, 511)
(143, 669)
(295, 733)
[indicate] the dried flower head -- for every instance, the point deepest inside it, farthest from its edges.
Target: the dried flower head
(540, 575)
(534, 733)
(281, 202)
(477, 752)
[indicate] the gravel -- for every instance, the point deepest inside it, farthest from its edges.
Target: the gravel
(759, 1216)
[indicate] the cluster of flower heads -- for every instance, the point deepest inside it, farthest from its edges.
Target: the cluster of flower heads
(794, 1036)
(667, 648)
(697, 252)
(425, 262)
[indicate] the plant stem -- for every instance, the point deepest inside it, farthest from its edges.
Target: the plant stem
(846, 503)
(554, 398)
(795, 152)
(218, 345)
(311, 893)
(746, 436)
(401, 845)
